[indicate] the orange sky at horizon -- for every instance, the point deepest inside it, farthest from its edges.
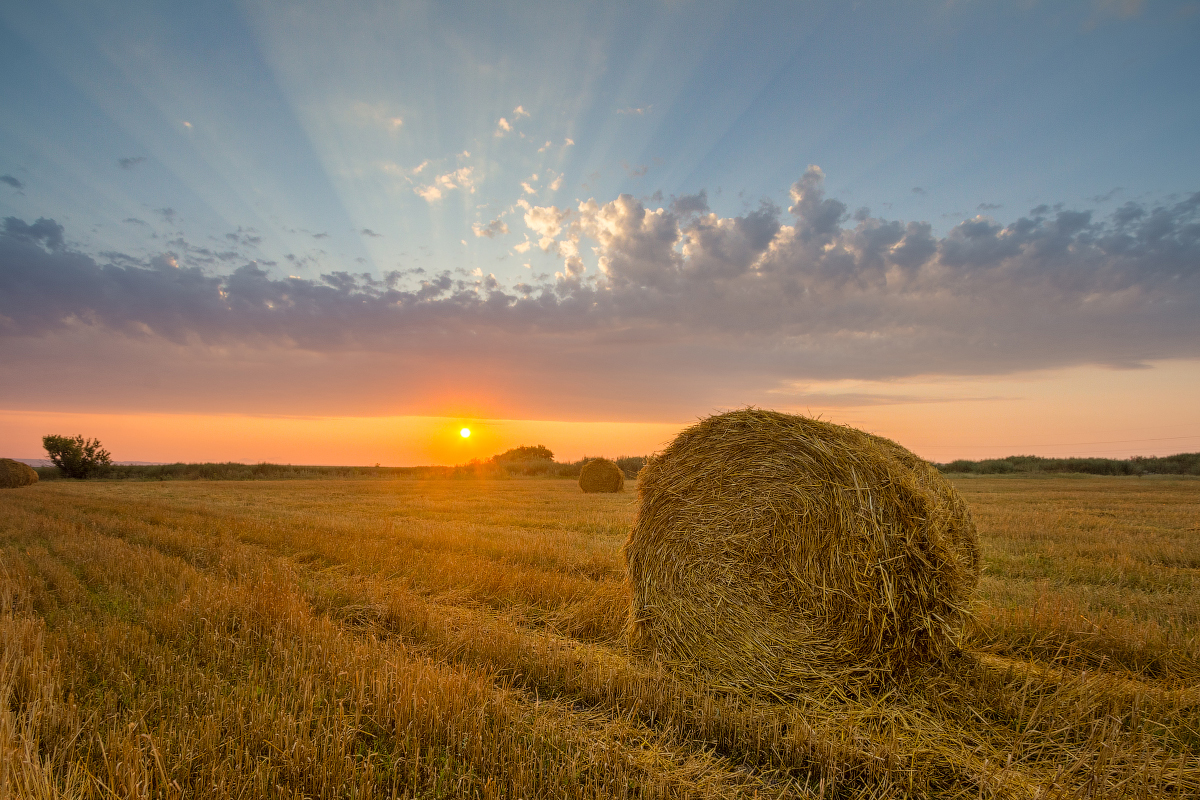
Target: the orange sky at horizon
(1085, 411)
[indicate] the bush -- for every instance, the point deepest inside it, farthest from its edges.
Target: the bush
(75, 456)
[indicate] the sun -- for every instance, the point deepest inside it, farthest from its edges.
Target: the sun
(465, 433)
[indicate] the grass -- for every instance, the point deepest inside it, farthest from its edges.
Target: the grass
(451, 638)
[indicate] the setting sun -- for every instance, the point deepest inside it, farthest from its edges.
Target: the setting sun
(465, 433)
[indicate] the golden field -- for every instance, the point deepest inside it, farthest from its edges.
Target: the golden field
(463, 638)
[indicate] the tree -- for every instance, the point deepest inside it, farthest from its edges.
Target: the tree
(75, 456)
(525, 453)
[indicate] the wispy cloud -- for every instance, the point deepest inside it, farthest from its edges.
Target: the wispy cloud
(130, 163)
(377, 115)
(636, 111)
(11, 181)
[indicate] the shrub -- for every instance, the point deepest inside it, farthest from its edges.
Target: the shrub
(75, 456)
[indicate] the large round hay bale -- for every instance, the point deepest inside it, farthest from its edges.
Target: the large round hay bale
(601, 475)
(771, 551)
(14, 474)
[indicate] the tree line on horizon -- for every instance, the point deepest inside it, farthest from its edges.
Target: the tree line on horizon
(76, 457)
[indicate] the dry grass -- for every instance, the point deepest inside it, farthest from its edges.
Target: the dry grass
(463, 639)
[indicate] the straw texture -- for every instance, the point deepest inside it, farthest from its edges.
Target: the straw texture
(601, 475)
(14, 474)
(772, 551)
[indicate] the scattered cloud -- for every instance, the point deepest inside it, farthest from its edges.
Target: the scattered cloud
(371, 233)
(504, 127)
(919, 190)
(167, 213)
(130, 163)
(491, 230)
(320, 236)
(772, 296)
(527, 189)
(988, 206)
(135, 221)
(461, 178)
(634, 172)
(11, 181)
(187, 124)
(556, 184)
(635, 111)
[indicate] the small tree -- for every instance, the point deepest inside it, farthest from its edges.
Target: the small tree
(75, 456)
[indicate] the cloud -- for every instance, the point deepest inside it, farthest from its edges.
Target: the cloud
(377, 114)
(761, 299)
(462, 178)
(555, 184)
(493, 229)
(635, 111)
(371, 233)
(919, 190)
(632, 172)
(130, 163)
(11, 181)
(504, 127)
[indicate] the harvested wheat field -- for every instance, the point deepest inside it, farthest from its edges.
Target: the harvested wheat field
(466, 638)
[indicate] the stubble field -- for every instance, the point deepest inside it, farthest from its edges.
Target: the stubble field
(409, 638)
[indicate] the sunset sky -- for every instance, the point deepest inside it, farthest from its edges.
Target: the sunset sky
(337, 233)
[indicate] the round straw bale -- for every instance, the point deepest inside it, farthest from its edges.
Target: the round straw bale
(772, 551)
(601, 475)
(14, 474)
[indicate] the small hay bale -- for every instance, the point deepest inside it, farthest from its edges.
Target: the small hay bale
(772, 552)
(14, 474)
(601, 475)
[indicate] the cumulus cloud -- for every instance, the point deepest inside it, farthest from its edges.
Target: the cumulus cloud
(771, 295)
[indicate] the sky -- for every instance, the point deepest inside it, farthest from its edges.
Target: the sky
(339, 232)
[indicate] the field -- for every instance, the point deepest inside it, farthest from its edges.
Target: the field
(463, 638)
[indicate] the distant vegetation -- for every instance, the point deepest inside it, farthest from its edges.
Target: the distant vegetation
(1179, 464)
(527, 460)
(75, 456)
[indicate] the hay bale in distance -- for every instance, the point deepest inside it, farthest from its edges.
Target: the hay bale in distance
(772, 551)
(14, 474)
(601, 475)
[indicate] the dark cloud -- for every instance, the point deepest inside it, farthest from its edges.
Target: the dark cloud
(134, 221)
(130, 163)
(371, 233)
(168, 214)
(684, 302)
(320, 236)
(988, 206)
(918, 190)
(11, 181)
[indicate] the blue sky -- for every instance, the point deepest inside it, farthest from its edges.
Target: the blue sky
(637, 160)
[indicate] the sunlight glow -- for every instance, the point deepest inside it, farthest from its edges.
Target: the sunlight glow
(465, 433)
